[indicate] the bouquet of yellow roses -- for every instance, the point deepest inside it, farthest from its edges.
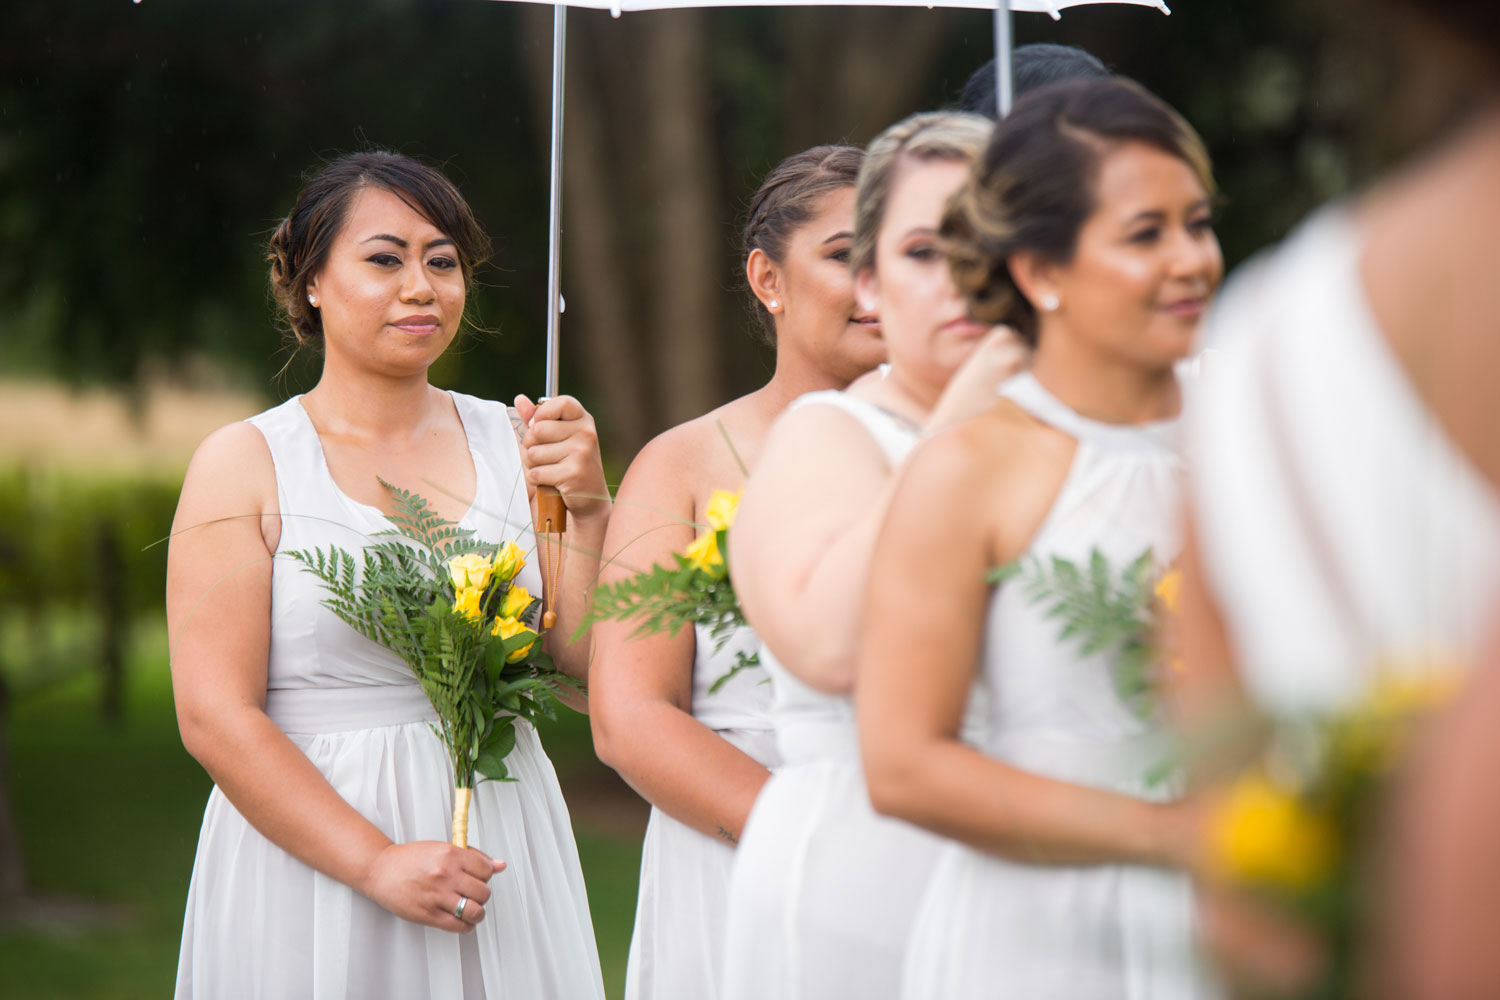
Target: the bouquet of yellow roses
(695, 590)
(1295, 831)
(447, 603)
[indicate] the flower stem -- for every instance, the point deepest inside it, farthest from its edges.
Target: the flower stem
(461, 816)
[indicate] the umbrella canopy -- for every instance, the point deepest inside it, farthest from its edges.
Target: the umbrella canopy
(551, 514)
(1036, 6)
(1002, 10)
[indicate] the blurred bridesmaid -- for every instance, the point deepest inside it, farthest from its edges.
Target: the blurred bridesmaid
(1345, 520)
(823, 889)
(700, 758)
(1087, 227)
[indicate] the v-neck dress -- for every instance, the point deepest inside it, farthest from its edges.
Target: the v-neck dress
(259, 922)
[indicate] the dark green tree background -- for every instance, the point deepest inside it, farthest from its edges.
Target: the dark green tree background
(147, 149)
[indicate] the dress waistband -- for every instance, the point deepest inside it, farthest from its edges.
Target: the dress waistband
(1138, 765)
(804, 742)
(341, 709)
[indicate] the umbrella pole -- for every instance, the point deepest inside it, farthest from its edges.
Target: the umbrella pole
(551, 512)
(1004, 79)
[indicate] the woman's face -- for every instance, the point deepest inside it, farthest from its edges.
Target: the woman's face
(926, 323)
(1146, 265)
(391, 292)
(818, 316)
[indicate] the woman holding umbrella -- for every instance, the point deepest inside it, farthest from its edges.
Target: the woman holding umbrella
(323, 868)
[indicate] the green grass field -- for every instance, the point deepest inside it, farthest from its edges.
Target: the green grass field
(109, 822)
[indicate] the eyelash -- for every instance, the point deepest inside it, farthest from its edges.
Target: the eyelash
(923, 253)
(842, 256)
(387, 259)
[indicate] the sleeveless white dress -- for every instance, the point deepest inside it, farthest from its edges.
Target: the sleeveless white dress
(677, 948)
(823, 888)
(992, 927)
(262, 924)
(1339, 528)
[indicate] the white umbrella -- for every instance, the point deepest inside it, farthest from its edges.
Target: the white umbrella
(551, 515)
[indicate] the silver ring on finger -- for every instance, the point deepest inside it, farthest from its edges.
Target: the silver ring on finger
(458, 911)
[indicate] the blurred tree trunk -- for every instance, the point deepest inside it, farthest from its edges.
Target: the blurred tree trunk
(12, 865)
(687, 283)
(645, 246)
(110, 573)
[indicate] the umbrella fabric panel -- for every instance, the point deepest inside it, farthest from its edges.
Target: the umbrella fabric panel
(1036, 6)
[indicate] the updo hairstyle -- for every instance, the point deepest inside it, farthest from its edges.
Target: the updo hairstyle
(1034, 188)
(299, 248)
(950, 136)
(787, 200)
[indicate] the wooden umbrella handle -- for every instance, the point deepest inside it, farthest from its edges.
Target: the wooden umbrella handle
(551, 512)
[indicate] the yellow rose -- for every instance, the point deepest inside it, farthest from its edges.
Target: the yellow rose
(1261, 835)
(467, 602)
(517, 599)
(1169, 589)
(509, 561)
(704, 552)
(507, 627)
(722, 507)
(470, 570)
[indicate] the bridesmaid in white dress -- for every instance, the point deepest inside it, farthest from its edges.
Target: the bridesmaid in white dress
(822, 888)
(700, 758)
(1346, 492)
(323, 866)
(1088, 228)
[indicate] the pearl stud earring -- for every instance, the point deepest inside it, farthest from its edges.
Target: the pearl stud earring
(773, 305)
(312, 300)
(1050, 303)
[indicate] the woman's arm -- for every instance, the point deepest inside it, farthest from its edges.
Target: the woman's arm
(801, 542)
(924, 621)
(640, 689)
(218, 616)
(560, 448)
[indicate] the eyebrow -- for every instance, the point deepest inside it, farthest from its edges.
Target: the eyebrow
(441, 241)
(1160, 216)
(845, 235)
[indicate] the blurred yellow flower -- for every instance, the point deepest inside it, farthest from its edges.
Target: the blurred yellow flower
(1169, 589)
(505, 628)
(704, 552)
(1262, 835)
(467, 602)
(509, 561)
(517, 599)
(722, 507)
(471, 570)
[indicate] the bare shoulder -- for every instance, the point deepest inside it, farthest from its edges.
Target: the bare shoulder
(1002, 462)
(231, 471)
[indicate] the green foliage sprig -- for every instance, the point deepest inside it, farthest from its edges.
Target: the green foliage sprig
(695, 590)
(1106, 611)
(405, 595)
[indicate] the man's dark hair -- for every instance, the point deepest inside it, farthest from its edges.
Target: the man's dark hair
(1034, 66)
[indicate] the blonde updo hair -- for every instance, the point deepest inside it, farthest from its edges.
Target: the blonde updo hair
(299, 248)
(1034, 188)
(951, 136)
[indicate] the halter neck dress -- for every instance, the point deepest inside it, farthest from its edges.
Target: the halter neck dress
(823, 889)
(677, 947)
(996, 927)
(1340, 529)
(259, 922)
